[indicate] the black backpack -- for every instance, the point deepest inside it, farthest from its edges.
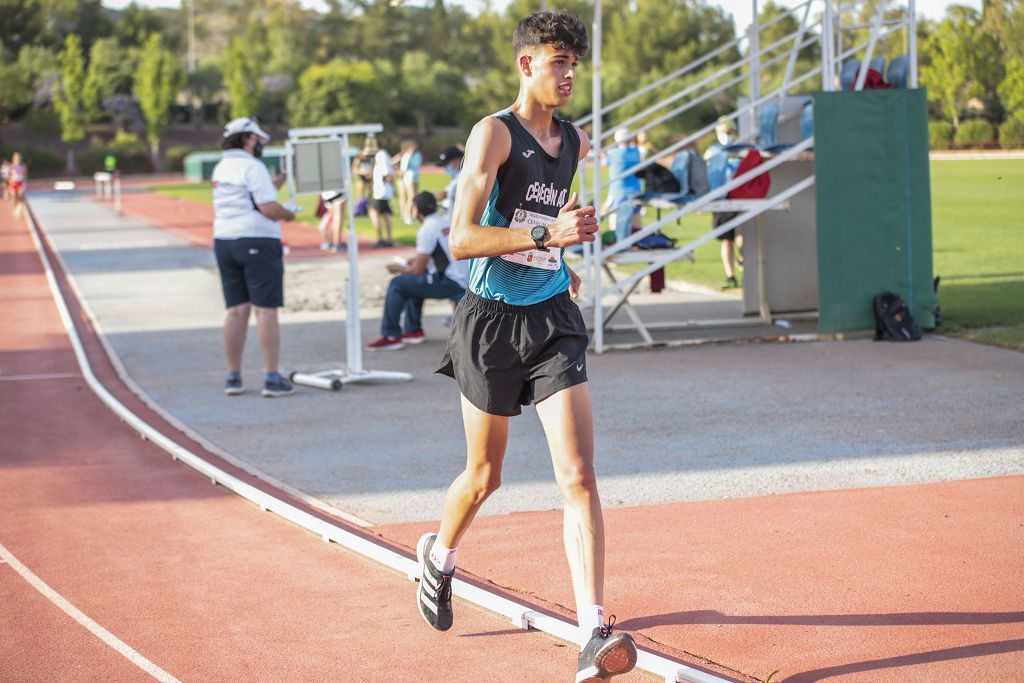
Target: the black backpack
(893, 321)
(658, 179)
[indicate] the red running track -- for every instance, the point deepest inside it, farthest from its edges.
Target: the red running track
(193, 578)
(912, 583)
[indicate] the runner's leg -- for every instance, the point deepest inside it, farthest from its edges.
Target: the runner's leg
(569, 426)
(486, 439)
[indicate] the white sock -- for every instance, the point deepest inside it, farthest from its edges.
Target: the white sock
(443, 558)
(592, 617)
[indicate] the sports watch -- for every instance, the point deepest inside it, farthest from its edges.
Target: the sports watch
(539, 233)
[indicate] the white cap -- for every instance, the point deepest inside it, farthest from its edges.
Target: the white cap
(622, 134)
(245, 125)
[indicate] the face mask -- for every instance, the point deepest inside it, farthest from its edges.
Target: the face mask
(451, 171)
(257, 150)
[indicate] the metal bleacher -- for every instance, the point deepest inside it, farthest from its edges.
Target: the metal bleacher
(822, 25)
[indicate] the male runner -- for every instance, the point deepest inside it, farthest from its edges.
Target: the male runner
(517, 338)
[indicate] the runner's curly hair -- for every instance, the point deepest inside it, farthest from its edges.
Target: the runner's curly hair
(563, 29)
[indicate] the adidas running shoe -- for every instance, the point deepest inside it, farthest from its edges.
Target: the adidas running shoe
(434, 594)
(606, 655)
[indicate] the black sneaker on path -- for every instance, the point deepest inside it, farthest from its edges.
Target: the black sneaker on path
(606, 655)
(434, 593)
(233, 386)
(275, 388)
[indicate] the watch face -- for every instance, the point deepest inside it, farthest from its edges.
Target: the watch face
(538, 232)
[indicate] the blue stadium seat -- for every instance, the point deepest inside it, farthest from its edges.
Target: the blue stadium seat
(681, 170)
(898, 68)
(848, 75)
(807, 121)
(878, 64)
(718, 170)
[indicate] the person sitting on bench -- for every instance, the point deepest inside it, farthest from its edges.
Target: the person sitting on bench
(431, 274)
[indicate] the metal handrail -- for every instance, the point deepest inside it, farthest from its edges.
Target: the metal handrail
(706, 80)
(709, 127)
(689, 67)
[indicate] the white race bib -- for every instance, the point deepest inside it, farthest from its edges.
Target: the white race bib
(535, 258)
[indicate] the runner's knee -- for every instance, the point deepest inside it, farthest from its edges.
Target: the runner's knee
(483, 481)
(577, 482)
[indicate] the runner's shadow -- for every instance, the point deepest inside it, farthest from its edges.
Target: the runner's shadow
(929, 657)
(894, 619)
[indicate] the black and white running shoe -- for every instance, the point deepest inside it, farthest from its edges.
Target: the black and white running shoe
(606, 655)
(434, 594)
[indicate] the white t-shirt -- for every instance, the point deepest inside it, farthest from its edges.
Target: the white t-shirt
(434, 233)
(240, 182)
(449, 189)
(382, 167)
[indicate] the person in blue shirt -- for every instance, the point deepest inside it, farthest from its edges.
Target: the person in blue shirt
(619, 159)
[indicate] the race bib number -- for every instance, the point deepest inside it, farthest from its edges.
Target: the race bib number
(535, 258)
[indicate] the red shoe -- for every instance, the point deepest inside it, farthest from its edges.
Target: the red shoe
(386, 344)
(416, 337)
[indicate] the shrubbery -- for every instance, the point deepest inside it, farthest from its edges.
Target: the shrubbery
(175, 157)
(1011, 133)
(974, 133)
(940, 134)
(42, 161)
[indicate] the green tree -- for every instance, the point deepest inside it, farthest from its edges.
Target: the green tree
(773, 75)
(339, 92)
(431, 90)
(15, 92)
(1011, 90)
(69, 98)
(242, 79)
(157, 83)
(947, 75)
(23, 23)
(657, 39)
(135, 26)
(111, 69)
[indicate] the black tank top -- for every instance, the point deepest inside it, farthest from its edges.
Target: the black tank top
(530, 182)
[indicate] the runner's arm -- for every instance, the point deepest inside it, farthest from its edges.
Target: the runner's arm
(486, 150)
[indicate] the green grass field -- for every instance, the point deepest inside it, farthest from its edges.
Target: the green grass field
(978, 243)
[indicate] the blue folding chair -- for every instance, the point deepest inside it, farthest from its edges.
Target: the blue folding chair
(807, 121)
(848, 75)
(898, 67)
(718, 170)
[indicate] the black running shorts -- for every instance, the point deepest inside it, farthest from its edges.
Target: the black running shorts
(251, 270)
(505, 357)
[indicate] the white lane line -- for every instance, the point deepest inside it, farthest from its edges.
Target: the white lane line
(52, 375)
(103, 634)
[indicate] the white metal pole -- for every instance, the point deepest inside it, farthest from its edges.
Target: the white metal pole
(912, 28)
(876, 27)
(828, 81)
(755, 63)
(354, 350)
(597, 261)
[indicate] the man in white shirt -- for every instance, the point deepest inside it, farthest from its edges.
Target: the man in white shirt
(247, 244)
(383, 191)
(451, 161)
(431, 274)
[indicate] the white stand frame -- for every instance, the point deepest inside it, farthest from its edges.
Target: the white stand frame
(354, 371)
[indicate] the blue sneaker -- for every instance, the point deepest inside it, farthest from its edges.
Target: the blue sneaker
(277, 386)
(233, 385)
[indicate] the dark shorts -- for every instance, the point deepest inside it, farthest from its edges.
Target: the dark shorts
(722, 218)
(251, 271)
(505, 357)
(381, 205)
